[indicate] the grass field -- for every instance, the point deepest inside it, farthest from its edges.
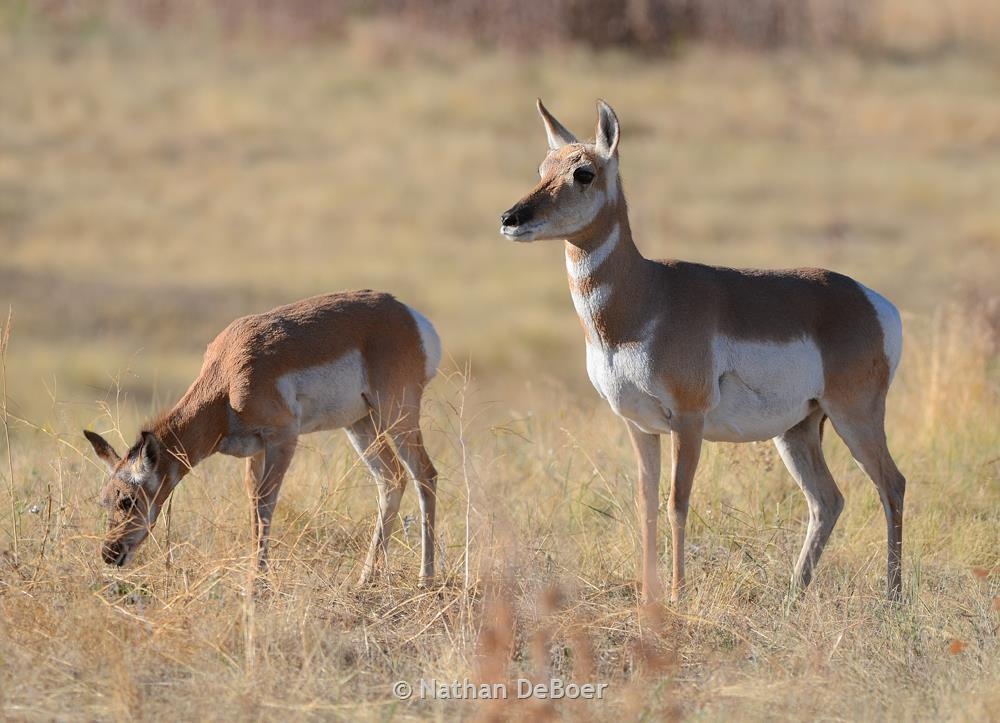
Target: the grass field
(155, 186)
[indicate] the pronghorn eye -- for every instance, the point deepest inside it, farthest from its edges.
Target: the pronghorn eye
(583, 176)
(125, 504)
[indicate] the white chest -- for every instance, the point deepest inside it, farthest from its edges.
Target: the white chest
(623, 375)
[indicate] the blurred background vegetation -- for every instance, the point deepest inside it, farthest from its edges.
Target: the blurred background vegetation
(880, 27)
(167, 166)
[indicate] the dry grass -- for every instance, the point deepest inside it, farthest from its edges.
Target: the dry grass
(153, 187)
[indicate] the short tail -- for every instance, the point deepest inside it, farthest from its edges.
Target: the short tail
(892, 328)
(429, 341)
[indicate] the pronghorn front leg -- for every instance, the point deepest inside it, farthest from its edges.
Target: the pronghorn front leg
(647, 500)
(255, 473)
(265, 473)
(686, 436)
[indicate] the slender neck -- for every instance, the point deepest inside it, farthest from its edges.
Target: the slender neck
(604, 247)
(604, 268)
(191, 431)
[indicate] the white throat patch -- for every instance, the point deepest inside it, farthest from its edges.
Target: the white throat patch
(590, 261)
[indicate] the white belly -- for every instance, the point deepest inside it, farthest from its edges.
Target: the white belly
(328, 396)
(761, 389)
(764, 388)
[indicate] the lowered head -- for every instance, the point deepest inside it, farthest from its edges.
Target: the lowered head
(138, 485)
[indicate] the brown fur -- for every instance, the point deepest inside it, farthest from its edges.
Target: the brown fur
(749, 304)
(235, 397)
(690, 304)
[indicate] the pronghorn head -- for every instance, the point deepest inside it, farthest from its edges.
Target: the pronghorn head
(133, 494)
(577, 182)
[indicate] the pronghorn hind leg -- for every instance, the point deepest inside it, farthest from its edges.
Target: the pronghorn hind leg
(390, 480)
(863, 431)
(801, 449)
(410, 446)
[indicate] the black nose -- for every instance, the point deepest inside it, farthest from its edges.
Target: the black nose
(113, 553)
(516, 215)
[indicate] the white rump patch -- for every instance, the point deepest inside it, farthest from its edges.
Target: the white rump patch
(892, 327)
(430, 341)
(588, 262)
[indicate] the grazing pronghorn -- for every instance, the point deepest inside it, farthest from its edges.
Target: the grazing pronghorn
(715, 353)
(358, 360)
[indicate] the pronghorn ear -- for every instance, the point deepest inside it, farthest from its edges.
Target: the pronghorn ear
(557, 133)
(607, 130)
(105, 452)
(149, 451)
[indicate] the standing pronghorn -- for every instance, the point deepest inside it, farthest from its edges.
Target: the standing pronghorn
(716, 353)
(358, 360)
